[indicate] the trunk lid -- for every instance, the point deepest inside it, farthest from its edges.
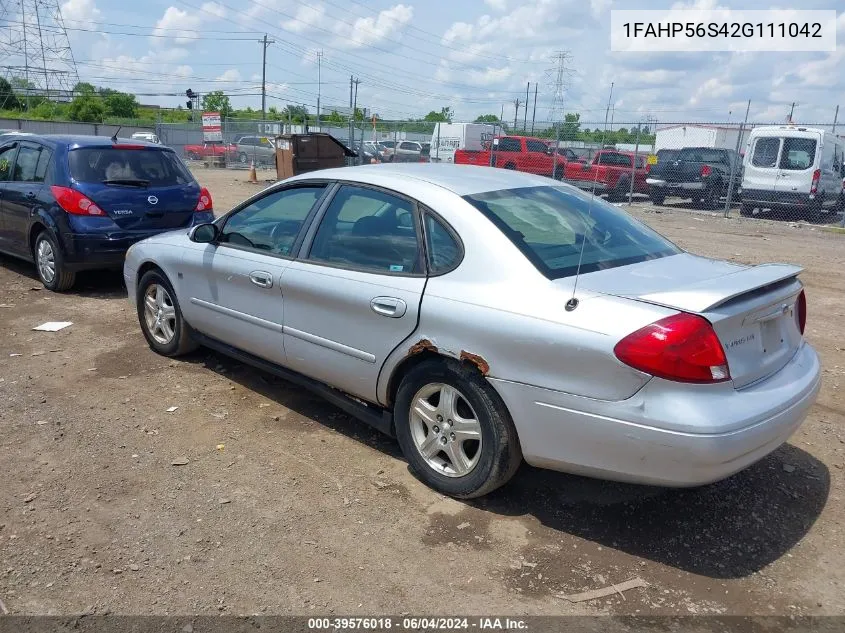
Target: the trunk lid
(753, 309)
(140, 188)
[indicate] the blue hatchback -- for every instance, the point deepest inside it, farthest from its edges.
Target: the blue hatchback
(71, 203)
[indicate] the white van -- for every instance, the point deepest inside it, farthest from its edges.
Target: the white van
(791, 167)
(449, 137)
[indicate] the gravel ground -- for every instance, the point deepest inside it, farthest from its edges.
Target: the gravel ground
(256, 497)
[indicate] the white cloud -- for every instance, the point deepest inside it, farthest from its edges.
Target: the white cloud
(372, 30)
(80, 10)
(497, 5)
(232, 74)
(175, 22)
(306, 18)
(218, 10)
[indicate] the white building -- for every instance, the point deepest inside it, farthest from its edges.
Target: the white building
(698, 135)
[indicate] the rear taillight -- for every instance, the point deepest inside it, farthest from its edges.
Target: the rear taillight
(204, 204)
(75, 202)
(683, 347)
(801, 311)
(706, 170)
(814, 186)
(648, 168)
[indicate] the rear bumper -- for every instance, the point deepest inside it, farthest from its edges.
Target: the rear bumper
(669, 187)
(667, 434)
(94, 251)
(776, 199)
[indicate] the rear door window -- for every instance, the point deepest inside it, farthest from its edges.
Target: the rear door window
(509, 145)
(111, 165)
(537, 146)
(765, 152)
(798, 153)
(26, 164)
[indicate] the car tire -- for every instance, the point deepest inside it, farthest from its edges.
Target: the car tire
(243, 158)
(488, 462)
(746, 210)
(711, 197)
(510, 166)
(657, 199)
(815, 210)
(620, 192)
(558, 173)
(49, 262)
(156, 301)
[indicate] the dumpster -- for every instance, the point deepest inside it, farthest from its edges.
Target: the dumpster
(301, 153)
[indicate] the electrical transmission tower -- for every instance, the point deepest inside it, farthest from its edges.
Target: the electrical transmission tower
(35, 53)
(558, 76)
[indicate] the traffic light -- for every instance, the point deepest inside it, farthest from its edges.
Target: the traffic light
(189, 93)
(190, 105)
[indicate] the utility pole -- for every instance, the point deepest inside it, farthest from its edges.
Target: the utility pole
(835, 119)
(515, 113)
(534, 113)
(525, 114)
(319, 84)
(734, 166)
(792, 111)
(265, 43)
(351, 116)
(354, 108)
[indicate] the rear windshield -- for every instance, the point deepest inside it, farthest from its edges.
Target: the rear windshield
(667, 154)
(765, 152)
(158, 168)
(701, 155)
(798, 153)
(549, 225)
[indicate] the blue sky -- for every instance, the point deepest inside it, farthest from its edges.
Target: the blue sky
(411, 57)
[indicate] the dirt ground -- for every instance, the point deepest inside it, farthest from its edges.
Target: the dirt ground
(285, 505)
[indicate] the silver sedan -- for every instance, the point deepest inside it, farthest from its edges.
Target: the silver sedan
(486, 317)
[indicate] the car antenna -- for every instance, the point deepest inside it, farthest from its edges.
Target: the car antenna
(573, 301)
(114, 136)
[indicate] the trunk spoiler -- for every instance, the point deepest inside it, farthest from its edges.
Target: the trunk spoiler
(709, 294)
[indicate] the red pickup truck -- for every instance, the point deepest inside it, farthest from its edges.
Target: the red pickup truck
(521, 153)
(207, 150)
(610, 173)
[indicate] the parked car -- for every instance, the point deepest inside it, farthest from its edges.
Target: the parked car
(518, 153)
(609, 173)
(257, 149)
(366, 152)
(71, 203)
(209, 150)
(405, 152)
(793, 168)
(384, 147)
(702, 174)
(146, 136)
(447, 138)
(477, 350)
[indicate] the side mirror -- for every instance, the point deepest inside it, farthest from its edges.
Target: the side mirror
(585, 166)
(203, 233)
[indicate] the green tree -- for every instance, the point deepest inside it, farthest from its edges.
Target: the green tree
(487, 118)
(8, 99)
(88, 108)
(335, 118)
(295, 114)
(445, 115)
(571, 125)
(217, 101)
(84, 88)
(121, 104)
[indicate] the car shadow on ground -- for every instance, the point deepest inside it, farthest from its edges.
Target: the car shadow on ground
(95, 284)
(729, 529)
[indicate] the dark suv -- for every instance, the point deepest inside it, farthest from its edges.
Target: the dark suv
(71, 203)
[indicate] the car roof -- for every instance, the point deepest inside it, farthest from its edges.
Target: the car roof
(80, 140)
(462, 180)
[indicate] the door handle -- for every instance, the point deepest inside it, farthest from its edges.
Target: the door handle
(261, 278)
(389, 307)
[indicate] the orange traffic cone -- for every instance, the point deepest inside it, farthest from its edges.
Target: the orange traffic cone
(252, 176)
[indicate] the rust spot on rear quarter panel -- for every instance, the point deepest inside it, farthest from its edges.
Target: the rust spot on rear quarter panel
(478, 361)
(422, 346)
